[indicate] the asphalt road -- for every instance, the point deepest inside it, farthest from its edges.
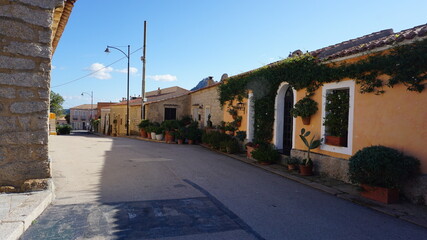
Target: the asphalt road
(120, 188)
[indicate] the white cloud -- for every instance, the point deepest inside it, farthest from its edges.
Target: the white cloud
(163, 78)
(53, 67)
(132, 70)
(99, 71)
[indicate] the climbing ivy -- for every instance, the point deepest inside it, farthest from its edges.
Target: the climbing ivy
(405, 64)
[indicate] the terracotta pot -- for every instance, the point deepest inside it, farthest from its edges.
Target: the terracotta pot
(168, 137)
(292, 166)
(336, 141)
(143, 133)
(148, 135)
(191, 142)
(380, 194)
(249, 150)
(306, 121)
(180, 141)
(305, 170)
(264, 163)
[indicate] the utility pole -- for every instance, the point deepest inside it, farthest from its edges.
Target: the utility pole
(143, 59)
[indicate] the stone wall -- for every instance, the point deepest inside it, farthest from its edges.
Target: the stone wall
(155, 111)
(207, 98)
(25, 65)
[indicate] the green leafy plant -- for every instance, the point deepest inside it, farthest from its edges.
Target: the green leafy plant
(63, 129)
(241, 135)
(170, 125)
(232, 146)
(266, 153)
(144, 123)
(382, 166)
(304, 108)
(179, 133)
(193, 133)
(404, 64)
(337, 110)
(312, 144)
(293, 161)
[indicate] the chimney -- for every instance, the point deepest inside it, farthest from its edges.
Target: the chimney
(159, 91)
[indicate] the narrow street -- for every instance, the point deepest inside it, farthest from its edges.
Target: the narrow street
(121, 188)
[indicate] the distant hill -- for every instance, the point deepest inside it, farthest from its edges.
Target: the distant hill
(203, 83)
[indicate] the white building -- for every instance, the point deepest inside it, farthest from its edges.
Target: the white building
(81, 115)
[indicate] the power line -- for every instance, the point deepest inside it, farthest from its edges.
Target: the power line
(87, 75)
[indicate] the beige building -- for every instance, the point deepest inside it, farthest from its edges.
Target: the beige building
(205, 101)
(168, 109)
(81, 115)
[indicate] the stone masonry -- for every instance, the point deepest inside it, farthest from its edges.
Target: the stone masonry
(25, 65)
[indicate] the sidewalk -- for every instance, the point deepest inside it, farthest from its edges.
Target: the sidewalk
(19, 210)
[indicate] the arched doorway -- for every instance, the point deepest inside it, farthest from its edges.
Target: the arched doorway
(283, 122)
(288, 122)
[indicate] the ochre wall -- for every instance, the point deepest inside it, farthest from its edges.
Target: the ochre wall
(242, 113)
(396, 119)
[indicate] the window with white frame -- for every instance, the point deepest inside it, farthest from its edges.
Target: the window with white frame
(337, 117)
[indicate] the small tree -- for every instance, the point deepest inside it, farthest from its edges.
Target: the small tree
(56, 102)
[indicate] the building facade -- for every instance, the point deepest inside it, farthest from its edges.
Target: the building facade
(81, 116)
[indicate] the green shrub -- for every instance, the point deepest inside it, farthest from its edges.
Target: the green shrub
(304, 108)
(381, 167)
(170, 125)
(241, 135)
(63, 129)
(266, 153)
(232, 146)
(144, 123)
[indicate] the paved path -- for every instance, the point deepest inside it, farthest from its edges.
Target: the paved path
(119, 188)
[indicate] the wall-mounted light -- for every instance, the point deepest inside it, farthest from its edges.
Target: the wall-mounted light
(240, 106)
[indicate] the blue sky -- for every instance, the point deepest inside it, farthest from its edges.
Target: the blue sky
(188, 40)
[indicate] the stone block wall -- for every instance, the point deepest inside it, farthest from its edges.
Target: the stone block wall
(207, 98)
(155, 111)
(25, 65)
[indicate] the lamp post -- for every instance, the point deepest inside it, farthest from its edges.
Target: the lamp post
(107, 50)
(91, 105)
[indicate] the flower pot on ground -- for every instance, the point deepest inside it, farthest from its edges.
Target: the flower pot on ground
(380, 166)
(190, 141)
(180, 141)
(143, 125)
(292, 163)
(304, 108)
(169, 136)
(266, 154)
(380, 194)
(306, 167)
(159, 133)
(250, 147)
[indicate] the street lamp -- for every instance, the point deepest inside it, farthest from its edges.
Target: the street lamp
(107, 50)
(91, 105)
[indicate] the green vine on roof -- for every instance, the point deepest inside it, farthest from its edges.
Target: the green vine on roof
(405, 65)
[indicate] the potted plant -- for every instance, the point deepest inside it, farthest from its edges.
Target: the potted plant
(266, 154)
(336, 119)
(192, 134)
(304, 108)
(159, 133)
(232, 146)
(381, 171)
(250, 147)
(169, 126)
(142, 125)
(293, 163)
(306, 166)
(179, 135)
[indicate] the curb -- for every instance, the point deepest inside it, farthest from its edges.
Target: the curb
(21, 217)
(378, 207)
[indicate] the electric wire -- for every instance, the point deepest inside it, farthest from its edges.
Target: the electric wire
(87, 75)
